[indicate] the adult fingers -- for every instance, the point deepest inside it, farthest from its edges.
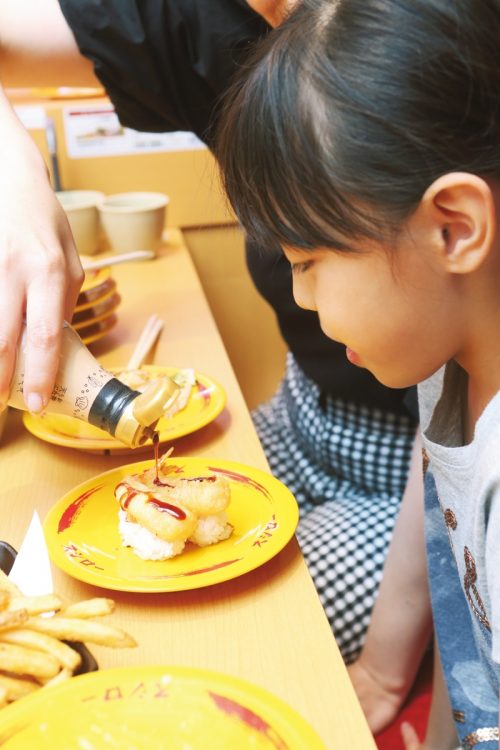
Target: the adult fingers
(11, 319)
(45, 301)
(74, 275)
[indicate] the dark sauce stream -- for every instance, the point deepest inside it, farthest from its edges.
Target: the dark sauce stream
(160, 505)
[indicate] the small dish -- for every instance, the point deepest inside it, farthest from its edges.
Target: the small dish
(96, 313)
(96, 331)
(94, 279)
(88, 664)
(95, 295)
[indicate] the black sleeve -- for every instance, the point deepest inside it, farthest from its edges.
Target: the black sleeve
(164, 63)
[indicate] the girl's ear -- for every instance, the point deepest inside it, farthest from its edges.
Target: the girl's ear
(461, 207)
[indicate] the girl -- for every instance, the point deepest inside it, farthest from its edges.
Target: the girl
(365, 140)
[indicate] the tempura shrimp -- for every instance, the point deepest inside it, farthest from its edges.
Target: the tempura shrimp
(167, 520)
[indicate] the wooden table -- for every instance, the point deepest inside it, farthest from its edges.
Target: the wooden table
(267, 626)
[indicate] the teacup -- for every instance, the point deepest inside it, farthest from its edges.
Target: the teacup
(134, 221)
(80, 206)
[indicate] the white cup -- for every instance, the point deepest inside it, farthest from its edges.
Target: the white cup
(80, 206)
(134, 221)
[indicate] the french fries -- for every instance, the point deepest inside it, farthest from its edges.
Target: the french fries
(7, 585)
(74, 629)
(17, 688)
(33, 654)
(12, 619)
(21, 660)
(35, 605)
(67, 656)
(89, 608)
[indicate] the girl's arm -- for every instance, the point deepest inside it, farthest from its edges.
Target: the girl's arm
(441, 732)
(401, 622)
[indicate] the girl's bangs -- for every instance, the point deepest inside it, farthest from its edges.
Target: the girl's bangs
(272, 153)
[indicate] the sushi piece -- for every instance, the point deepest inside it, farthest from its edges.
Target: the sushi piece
(159, 513)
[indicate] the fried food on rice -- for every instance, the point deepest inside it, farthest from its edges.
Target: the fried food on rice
(159, 512)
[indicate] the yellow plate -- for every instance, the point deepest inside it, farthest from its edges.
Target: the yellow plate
(95, 314)
(97, 331)
(96, 295)
(206, 402)
(95, 278)
(81, 531)
(166, 708)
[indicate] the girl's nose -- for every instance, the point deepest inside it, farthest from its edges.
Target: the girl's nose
(303, 295)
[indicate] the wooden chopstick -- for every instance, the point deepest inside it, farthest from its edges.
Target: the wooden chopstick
(113, 260)
(150, 332)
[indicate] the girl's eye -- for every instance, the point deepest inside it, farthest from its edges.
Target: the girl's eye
(301, 267)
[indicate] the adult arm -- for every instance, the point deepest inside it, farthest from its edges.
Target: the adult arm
(188, 52)
(40, 272)
(37, 47)
(401, 622)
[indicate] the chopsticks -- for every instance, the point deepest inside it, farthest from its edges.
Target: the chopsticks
(150, 332)
(113, 260)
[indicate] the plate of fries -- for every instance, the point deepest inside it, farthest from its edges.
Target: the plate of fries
(156, 707)
(42, 638)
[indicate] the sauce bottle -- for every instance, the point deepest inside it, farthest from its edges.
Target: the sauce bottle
(87, 391)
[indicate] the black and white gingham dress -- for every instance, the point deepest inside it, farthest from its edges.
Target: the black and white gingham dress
(347, 466)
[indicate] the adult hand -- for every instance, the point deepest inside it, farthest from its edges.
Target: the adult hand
(274, 11)
(380, 704)
(40, 271)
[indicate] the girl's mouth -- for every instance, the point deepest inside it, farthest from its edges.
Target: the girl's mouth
(352, 357)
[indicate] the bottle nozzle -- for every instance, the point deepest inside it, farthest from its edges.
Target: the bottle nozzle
(137, 423)
(154, 401)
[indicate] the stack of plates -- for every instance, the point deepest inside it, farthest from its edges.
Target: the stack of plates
(95, 311)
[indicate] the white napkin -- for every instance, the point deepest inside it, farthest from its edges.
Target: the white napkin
(31, 571)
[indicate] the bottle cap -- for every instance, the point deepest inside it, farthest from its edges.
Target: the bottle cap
(139, 418)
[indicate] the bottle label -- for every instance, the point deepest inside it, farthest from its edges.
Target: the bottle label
(79, 379)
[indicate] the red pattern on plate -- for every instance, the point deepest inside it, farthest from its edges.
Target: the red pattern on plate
(71, 513)
(242, 479)
(251, 719)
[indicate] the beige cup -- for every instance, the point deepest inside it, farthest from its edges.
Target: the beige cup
(80, 206)
(134, 221)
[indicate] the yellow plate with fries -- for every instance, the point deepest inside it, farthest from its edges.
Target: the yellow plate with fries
(82, 535)
(205, 403)
(41, 639)
(166, 708)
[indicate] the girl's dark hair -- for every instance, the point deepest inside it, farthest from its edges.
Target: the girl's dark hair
(352, 108)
